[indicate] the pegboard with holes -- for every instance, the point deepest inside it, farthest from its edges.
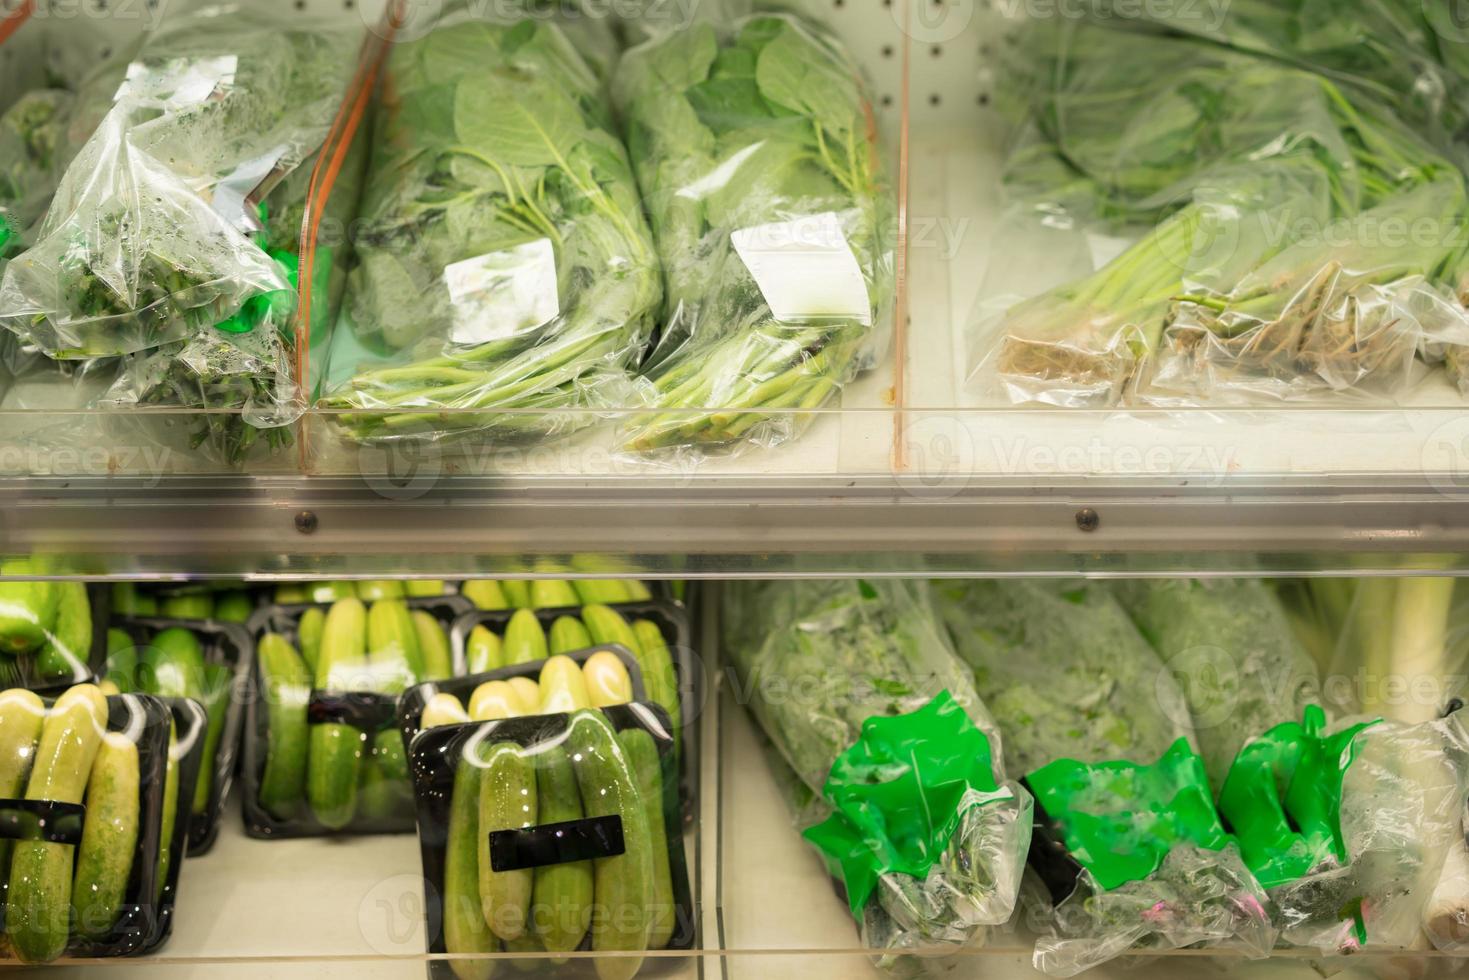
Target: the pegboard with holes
(943, 38)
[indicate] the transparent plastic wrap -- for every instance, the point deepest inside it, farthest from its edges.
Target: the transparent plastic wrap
(156, 248)
(506, 280)
(848, 679)
(1252, 230)
(757, 151)
(552, 833)
(52, 633)
(31, 132)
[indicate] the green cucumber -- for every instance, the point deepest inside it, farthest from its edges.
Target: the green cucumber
(607, 626)
(660, 679)
(170, 813)
(622, 883)
(22, 713)
(386, 790)
(128, 599)
(425, 588)
(104, 860)
(465, 929)
(608, 681)
(335, 756)
(637, 591)
(28, 610)
(600, 591)
(642, 756)
(568, 634)
(218, 686)
(174, 665)
(525, 641)
(529, 943)
(290, 595)
(562, 892)
(193, 606)
(552, 593)
(67, 652)
(507, 801)
(286, 684)
(485, 593)
(38, 904)
(328, 592)
(483, 651)
(377, 590)
(562, 688)
(122, 661)
(438, 661)
(393, 651)
(443, 709)
(517, 593)
(308, 635)
(233, 607)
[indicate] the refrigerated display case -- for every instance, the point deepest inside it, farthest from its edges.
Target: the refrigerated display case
(912, 473)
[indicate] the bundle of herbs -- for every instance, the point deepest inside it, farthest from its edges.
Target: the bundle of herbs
(507, 281)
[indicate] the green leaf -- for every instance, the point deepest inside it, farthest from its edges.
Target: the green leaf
(520, 123)
(797, 73)
(392, 296)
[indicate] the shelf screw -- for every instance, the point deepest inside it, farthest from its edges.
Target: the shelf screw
(1088, 520)
(306, 522)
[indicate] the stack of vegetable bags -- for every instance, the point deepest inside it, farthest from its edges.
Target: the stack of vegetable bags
(756, 148)
(921, 826)
(162, 246)
(507, 282)
(1290, 236)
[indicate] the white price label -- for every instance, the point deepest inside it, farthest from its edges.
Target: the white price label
(502, 294)
(805, 269)
(177, 83)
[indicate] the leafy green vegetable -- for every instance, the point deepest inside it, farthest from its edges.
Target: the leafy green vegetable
(728, 133)
(494, 138)
(813, 661)
(1064, 670)
(32, 132)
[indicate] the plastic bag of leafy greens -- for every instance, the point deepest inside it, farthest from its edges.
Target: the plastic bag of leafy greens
(757, 152)
(506, 279)
(859, 692)
(31, 133)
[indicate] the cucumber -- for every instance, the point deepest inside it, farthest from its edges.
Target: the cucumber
(562, 892)
(483, 651)
(569, 635)
(28, 610)
(517, 593)
(600, 591)
(465, 929)
(67, 652)
(22, 713)
(195, 606)
(218, 686)
(563, 689)
(290, 595)
(104, 860)
(233, 607)
(642, 757)
(38, 905)
(438, 662)
(329, 592)
(525, 641)
(335, 756)
(485, 593)
(637, 591)
(287, 688)
(122, 661)
(130, 600)
(660, 679)
(608, 681)
(528, 691)
(507, 801)
(308, 635)
(607, 626)
(529, 943)
(424, 588)
(393, 651)
(552, 593)
(170, 813)
(623, 883)
(174, 665)
(494, 700)
(442, 709)
(386, 791)
(375, 591)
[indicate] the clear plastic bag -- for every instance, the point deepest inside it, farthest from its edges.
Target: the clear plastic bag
(816, 662)
(506, 280)
(757, 151)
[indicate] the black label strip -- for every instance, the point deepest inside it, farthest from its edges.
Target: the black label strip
(362, 710)
(556, 843)
(43, 820)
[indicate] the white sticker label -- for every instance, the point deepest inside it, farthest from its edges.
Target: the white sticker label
(504, 293)
(805, 269)
(177, 83)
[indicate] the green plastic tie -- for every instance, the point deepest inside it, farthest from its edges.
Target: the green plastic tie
(899, 793)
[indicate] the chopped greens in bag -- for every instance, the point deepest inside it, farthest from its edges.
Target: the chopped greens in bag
(507, 281)
(757, 155)
(845, 676)
(32, 132)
